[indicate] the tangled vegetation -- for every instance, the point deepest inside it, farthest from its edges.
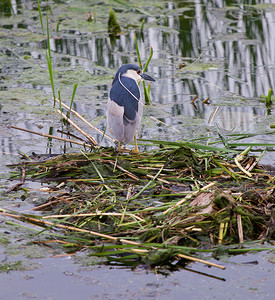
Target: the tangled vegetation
(167, 202)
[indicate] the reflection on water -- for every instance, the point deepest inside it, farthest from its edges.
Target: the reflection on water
(228, 47)
(229, 50)
(238, 42)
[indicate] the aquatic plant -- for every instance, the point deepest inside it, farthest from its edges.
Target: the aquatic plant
(176, 200)
(146, 89)
(156, 206)
(268, 100)
(113, 26)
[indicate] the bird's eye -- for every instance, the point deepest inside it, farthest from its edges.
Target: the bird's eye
(138, 71)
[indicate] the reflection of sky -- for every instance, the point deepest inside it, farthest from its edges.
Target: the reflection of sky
(236, 46)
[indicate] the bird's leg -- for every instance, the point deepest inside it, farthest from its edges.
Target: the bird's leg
(119, 146)
(136, 146)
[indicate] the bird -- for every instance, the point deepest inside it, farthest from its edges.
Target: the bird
(125, 106)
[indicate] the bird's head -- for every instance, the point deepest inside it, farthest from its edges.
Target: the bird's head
(133, 72)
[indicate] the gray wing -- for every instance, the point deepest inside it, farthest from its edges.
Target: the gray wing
(133, 125)
(115, 120)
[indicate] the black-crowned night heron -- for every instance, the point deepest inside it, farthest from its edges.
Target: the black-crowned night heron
(125, 106)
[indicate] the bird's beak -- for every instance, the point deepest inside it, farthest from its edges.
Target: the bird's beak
(147, 77)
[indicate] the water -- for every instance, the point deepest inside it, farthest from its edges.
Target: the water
(229, 51)
(246, 276)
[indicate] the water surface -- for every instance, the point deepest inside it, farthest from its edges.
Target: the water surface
(229, 51)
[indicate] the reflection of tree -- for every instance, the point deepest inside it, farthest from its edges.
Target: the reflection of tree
(241, 38)
(238, 39)
(5, 8)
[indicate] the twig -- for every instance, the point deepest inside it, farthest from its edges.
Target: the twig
(90, 138)
(14, 187)
(69, 134)
(94, 214)
(42, 222)
(144, 251)
(213, 115)
(147, 185)
(239, 158)
(131, 175)
(240, 228)
(141, 251)
(201, 261)
(52, 136)
(256, 162)
(84, 120)
(221, 231)
(159, 179)
(157, 120)
(40, 207)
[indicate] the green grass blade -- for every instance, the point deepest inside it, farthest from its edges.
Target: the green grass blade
(233, 175)
(149, 59)
(268, 99)
(191, 145)
(72, 99)
(146, 90)
(147, 185)
(138, 54)
(60, 107)
(40, 16)
(49, 59)
(251, 144)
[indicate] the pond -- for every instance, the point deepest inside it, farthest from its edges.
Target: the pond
(223, 51)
